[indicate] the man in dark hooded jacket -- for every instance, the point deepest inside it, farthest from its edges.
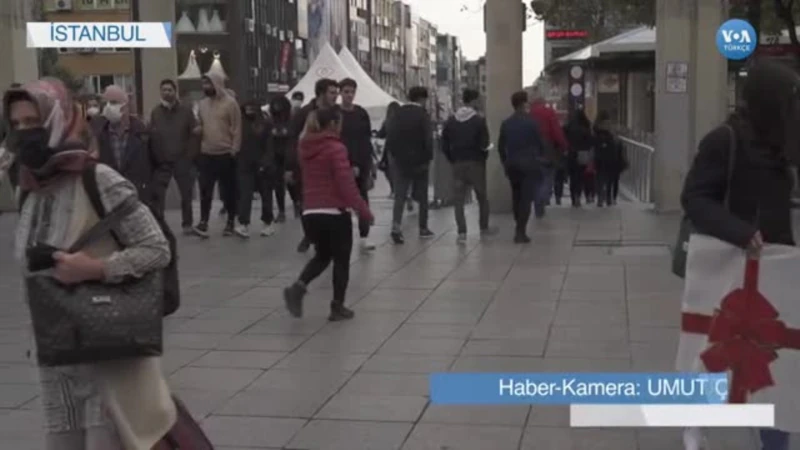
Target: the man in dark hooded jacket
(465, 143)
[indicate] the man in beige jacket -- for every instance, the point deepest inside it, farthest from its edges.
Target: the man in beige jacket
(220, 122)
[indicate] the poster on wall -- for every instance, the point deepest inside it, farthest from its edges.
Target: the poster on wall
(302, 19)
(326, 21)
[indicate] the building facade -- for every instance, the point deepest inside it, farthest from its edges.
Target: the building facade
(448, 73)
(360, 26)
(475, 77)
(387, 46)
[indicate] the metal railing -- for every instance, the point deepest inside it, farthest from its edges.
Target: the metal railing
(638, 179)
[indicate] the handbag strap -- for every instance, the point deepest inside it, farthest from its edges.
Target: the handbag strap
(106, 224)
(732, 150)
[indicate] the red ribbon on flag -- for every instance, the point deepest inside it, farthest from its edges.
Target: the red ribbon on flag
(744, 335)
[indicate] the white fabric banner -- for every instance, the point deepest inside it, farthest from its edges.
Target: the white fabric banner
(753, 324)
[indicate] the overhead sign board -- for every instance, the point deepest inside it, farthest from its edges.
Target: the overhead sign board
(562, 35)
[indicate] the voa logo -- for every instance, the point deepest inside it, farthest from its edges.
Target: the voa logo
(736, 39)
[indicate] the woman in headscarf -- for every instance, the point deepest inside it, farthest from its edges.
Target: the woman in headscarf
(100, 406)
(746, 201)
(581, 145)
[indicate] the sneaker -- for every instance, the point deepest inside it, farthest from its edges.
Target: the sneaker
(366, 245)
(303, 246)
(462, 238)
(410, 206)
(188, 230)
(201, 230)
(228, 231)
(522, 239)
(293, 297)
(268, 230)
(491, 231)
(397, 238)
(243, 231)
(281, 217)
(426, 233)
(340, 313)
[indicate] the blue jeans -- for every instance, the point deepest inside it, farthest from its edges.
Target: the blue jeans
(544, 190)
(772, 439)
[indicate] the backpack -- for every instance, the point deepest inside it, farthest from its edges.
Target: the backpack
(172, 295)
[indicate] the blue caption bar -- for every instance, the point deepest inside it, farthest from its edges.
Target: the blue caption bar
(578, 388)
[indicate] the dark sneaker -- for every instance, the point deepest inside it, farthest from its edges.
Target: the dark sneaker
(303, 246)
(491, 231)
(281, 218)
(340, 313)
(426, 233)
(462, 238)
(201, 230)
(293, 297)
(522, 239)
(397, 238)
(228, 231)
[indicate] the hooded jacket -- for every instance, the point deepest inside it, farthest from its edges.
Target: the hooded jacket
(256, 148)
(221, 121)
(551, 130)
(327, 176)
(465, 136)
(409, 139)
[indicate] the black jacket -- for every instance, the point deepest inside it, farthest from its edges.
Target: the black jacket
(609, 155)
(465, 136)
(139, 163)
(410, 138)
(256, 149)
(520, 144)
(760, 191)
(172, 132)
(357, 137)
(297, 124)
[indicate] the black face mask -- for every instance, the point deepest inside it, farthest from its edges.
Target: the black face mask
(31, 147)
(210, 92)
(250, 115)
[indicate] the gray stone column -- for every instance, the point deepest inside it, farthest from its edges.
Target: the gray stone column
(20, 63)
(503, 78)
(685, 112)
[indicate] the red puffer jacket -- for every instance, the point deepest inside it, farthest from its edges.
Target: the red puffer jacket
(328, 180)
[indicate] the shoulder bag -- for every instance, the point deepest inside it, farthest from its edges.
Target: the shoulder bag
(95, 321)
(680, 251)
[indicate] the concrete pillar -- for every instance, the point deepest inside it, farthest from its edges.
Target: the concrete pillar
(20, 63)
(685, 111)
(157, 63)
(503, 78)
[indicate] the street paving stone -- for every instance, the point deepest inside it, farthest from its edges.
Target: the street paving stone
(259, 379)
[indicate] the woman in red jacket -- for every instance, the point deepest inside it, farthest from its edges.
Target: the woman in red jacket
(329, 191)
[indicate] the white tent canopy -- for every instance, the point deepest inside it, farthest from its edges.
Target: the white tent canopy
(329, 65)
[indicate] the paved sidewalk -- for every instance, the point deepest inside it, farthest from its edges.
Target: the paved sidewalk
(574, 300)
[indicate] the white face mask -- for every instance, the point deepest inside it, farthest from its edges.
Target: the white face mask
(93, 111)
(113, 112)
(297, 103)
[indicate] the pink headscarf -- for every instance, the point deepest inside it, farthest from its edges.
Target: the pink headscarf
(67, 127)
(114, 93)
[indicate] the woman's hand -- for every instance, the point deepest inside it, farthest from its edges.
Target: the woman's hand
(755, 246)
(74, 268)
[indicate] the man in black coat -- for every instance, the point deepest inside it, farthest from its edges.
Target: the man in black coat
(357, 137)
(410, 142)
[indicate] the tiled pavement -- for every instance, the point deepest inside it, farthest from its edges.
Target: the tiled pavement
(261, 380)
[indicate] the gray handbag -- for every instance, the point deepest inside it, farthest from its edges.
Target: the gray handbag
(680, 251)
(95, 321)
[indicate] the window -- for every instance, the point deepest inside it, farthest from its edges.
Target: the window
(104, 4)
(97, 83)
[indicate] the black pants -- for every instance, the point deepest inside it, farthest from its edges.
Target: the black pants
(466, 175)
(577, 174)
(252, 178)
(607, 186)
(279, 186)
(523, 193)
(217, 169)
(363, 188)
(185, 175)
(558, 183)
(332, 236)
(417, 180)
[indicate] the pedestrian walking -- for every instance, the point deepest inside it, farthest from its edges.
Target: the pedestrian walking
(409, 142)
(357, 138)
(220, 140)
(739, 187)
(465, 144)
(255, 165)
(124, 145)
(298, 100)
(581, 153)
(96, 405)
(326, 93)
(384, 165)
(610, 160)
(522, 150)
(280, 111)
(329, 190)
(555, 171)
(174, 139)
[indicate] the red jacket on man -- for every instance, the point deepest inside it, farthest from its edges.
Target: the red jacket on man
(547, 119)
(328, 180)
